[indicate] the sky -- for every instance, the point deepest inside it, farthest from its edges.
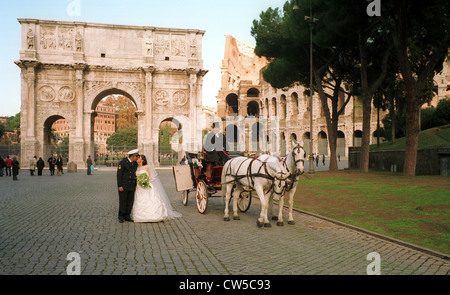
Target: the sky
(216, 17)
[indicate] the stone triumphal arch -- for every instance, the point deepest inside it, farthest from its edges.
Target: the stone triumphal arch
(68, 67)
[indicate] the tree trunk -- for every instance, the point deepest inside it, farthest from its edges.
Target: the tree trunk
(412, 130)
(412, 135)
(332, 120)
(393, 118)
(332, 142)
(367, 110)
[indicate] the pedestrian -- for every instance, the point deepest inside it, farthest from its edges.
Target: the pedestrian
(40, 166)
(15, 167)
(323, 160)
(51, 164)
(2, 165)
(339, 157)
(8, 164)
(59, 165)
(33, 165)
(89, 164)
(317, 160)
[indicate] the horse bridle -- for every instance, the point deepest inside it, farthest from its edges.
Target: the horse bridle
(296, 172)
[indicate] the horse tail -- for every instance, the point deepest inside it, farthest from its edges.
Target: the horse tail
(222, 179)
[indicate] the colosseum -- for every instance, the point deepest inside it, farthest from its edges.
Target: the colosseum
(261, 118)
(265, 119)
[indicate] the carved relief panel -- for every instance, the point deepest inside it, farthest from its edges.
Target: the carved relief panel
(168, 45)
(170, 99)
(48, 93)
(59, 38)
(162, 45)
(48, 38)
(178, 45)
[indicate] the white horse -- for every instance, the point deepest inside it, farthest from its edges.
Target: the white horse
(265, 174)
(294, 163)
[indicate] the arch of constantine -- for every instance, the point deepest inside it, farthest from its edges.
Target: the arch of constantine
(67, 68)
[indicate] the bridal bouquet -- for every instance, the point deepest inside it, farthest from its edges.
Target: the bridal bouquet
(143, 180)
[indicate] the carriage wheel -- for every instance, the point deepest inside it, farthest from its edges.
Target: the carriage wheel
(201, 196)
(184, 197)
(244, 201)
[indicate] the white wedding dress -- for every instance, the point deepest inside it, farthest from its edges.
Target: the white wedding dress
(152, 204)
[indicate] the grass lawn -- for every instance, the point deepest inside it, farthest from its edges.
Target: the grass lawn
(412, 209)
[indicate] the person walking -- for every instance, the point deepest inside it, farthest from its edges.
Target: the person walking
(33, 165)
(89, 164)
(15, 167)
(8, 164)
(323, 160)
(40, 166)
(59, 165)
(51, 164)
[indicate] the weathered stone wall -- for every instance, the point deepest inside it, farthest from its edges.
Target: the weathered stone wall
(429, 161)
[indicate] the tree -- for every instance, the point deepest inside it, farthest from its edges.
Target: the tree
(126, 138)
(393, 93)
(349, 56)
(442, 113)
(126, 111)
(13, 122)
(373, 51)
(2, 129)
(420, 31)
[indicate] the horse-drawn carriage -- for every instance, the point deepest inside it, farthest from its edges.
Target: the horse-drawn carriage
(237, 177)
(202, 175)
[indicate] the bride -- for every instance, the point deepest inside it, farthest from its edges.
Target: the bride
(151, 203)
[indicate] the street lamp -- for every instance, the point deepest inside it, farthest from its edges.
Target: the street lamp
(311, 21)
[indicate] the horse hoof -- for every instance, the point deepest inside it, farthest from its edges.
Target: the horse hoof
(267, 225)
(226, 219)
(259, 223)
(291, 222)
(274, 217)
(280, 223)
(236, 218)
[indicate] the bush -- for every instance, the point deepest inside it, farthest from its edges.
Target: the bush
(434, 117)
(442, 113)
(427, 118)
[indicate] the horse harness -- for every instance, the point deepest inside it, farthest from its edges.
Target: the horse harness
(293, 176)
(250, 176)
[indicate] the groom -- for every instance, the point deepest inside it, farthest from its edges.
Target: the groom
(126, 181)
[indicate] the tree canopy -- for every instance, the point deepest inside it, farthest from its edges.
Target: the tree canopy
(353, 53)
(126, 138)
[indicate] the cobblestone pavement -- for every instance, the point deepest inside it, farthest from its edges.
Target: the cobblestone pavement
(43, 219)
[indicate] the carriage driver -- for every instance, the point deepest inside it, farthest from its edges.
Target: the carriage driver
(215, 144)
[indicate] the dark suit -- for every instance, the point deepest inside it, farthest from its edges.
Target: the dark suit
(126, 178)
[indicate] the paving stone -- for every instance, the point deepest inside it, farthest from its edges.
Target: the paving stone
(43, 219)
